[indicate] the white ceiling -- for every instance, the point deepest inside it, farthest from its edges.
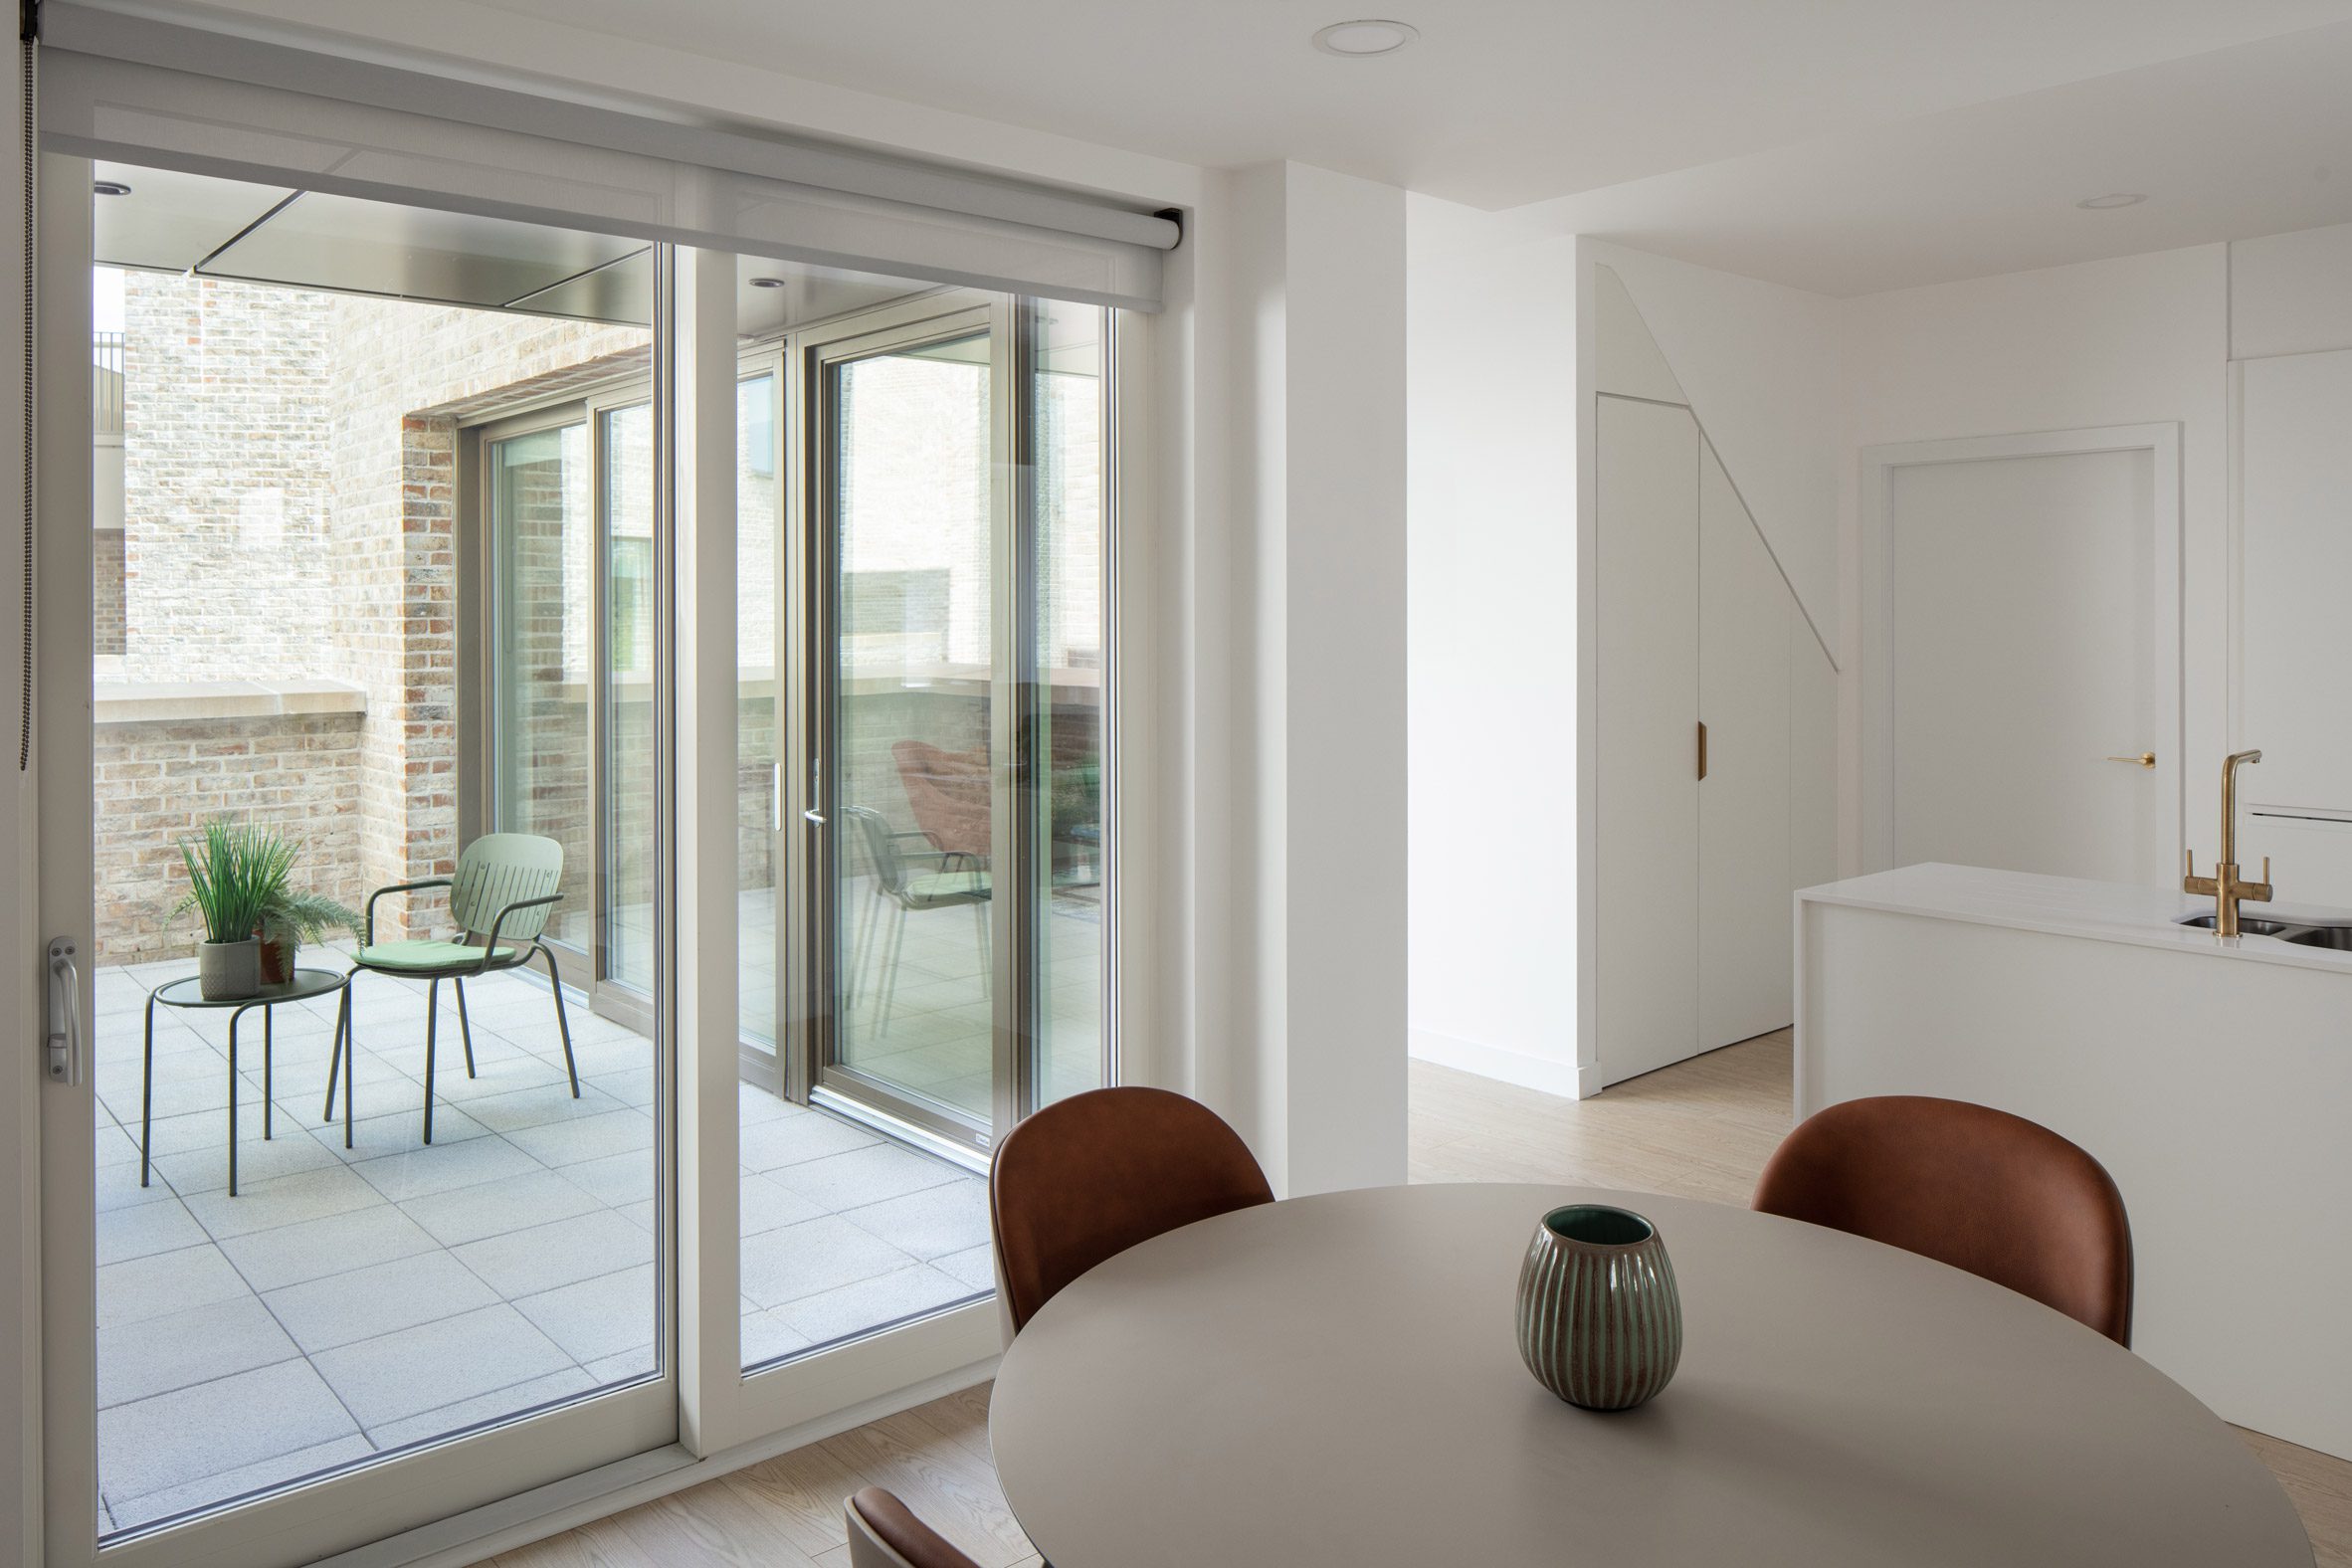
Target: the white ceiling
(1841, 146)
(1500, 103)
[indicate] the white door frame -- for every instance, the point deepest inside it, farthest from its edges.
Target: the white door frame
(1879, 464)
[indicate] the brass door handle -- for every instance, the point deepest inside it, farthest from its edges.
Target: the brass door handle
(2146, 759)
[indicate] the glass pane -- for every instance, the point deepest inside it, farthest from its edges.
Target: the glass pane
(298, 1266)
(760, 526)
(1066, 447)
(911, 766)
(540, 520)
(629, 754)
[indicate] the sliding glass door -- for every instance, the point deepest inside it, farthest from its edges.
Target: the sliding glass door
(956, 612)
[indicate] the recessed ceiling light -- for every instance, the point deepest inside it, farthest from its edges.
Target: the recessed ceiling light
(2113, 199)
(767, 283)
(1357, 40)
(110, 187)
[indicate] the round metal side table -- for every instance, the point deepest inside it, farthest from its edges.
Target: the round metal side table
(188, 993)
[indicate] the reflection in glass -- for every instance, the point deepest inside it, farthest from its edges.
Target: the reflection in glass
(1065, 449)
(540, 520)
(628, 749)
(911, 503)
(759, 525)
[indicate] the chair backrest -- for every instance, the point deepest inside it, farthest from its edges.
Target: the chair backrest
(949, 793)
(885, 1533)
(889, 867)
(2002, 1197)
(1090, 1176)
(500, 868)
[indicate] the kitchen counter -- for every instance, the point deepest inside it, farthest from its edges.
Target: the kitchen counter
(2068, 907)
(2212, 1078)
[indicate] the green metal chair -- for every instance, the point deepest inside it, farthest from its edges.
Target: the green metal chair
(504, 889)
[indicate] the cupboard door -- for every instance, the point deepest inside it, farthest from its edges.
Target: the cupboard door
(1648, 875)
(1744, 904)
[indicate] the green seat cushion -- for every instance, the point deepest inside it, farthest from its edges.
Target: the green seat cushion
(949, 884)
(428, 957)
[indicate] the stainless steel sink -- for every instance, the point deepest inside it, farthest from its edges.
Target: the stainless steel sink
(2337, 937)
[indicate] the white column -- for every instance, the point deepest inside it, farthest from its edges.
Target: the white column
(710, 1260)
(1299, 628)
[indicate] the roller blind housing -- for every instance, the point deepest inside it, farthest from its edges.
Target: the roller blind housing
(132, 90)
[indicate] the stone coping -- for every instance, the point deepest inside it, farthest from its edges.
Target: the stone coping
(171, 701)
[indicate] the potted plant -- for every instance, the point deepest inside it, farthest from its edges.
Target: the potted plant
(235, 869)
(294, 918)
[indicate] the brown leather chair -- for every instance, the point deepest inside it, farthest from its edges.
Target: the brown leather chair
(1094, 1174)
(2002, 1197)
(885, 1533)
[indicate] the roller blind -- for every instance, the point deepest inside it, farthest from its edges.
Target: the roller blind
(132, 89)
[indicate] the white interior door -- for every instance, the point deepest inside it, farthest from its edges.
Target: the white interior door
(2026, 627)
(1649, 698)
(1745, 907)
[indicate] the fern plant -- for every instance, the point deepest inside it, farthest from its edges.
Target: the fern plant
(306, 917)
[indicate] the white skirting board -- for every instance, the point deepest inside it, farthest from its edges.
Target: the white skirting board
(1549, 1075)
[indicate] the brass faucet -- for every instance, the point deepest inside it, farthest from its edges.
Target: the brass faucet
(2224, 885)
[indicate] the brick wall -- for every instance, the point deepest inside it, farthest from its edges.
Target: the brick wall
(290, 508)
(107, 633)
(157, 782)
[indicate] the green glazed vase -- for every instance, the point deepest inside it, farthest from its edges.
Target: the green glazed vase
(1600, 1322)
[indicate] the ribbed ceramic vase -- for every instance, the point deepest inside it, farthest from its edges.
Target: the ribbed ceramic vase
(1599, 1321)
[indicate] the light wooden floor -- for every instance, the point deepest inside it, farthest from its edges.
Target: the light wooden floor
(1700, 1129)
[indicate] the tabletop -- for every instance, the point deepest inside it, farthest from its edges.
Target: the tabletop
(305, 983)
(1334, 1380)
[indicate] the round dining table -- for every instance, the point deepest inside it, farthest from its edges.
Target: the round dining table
(1333, 1382)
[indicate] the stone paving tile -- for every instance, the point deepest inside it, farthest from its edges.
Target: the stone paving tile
(854, 1308)
(143, 1229)
(152, 1445)
(195, 1345)
(863, 1176)
(770, 1145)
(282, 1200)
(633, 1363)
(161, 1284)
(469, 1214)
(383, 1298)
(931, 1223)
(434, 1364)
(763, 1206)
(393, 1132)
(796, 1260)
(292, 1151)
(597, 1317)
(496, 1405)
(767, 1337)
(428, 1168)
(535, 1106)
(525, 1263)
(317, 1249)
(588, 1138)
(974, 1265)
(210, 1490)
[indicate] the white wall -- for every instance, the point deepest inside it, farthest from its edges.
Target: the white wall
(1302, 915)
(1491, 414)
(2135, 341)
(2291, 294)
(1758, 364)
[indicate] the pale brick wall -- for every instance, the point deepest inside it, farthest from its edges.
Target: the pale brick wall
(158, 782)
(291, 503)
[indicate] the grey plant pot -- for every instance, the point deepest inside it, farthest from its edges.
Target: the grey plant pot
(229, 971)
(1600, 1321)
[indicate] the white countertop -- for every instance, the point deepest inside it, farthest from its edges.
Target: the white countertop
(2068, 907)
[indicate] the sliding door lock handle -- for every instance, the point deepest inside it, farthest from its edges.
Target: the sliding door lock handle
(62, 1045)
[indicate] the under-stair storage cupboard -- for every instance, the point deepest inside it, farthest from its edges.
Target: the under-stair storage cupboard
(1716, 741)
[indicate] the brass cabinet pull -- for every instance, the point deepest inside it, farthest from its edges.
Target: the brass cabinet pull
(1702, 748)
(2146, 759)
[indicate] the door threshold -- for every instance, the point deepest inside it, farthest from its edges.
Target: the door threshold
(905, 1131)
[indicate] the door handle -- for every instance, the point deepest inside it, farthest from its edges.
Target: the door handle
(1702, 748)
(2146, 759)
(816, 791)
(775, 797)
(62, 1045)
